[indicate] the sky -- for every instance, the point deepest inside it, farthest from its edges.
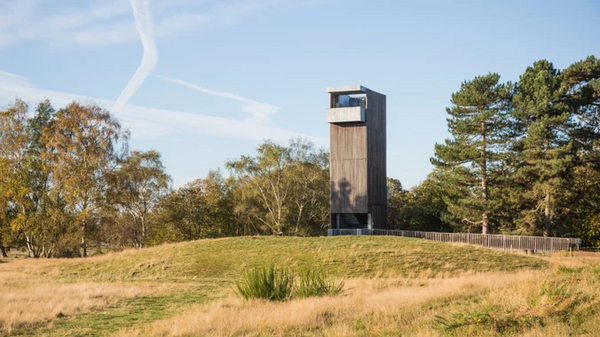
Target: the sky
(205, 81)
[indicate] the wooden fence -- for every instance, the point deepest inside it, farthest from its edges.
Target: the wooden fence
(506, 242)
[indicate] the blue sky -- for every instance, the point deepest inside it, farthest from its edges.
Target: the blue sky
(214, 78)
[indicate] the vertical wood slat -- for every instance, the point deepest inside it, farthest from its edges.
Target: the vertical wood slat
(375, 115)
(348, 169)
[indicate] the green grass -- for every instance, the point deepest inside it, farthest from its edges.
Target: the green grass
(208, 270)
(274, 283)
(269, 283)
(127, 313)
(226, 259)
(315, 283)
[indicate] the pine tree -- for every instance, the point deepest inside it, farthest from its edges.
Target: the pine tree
(580, 83)
(545, 148)
(581, 86)
(478, 122)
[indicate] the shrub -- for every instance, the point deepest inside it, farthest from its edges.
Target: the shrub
(269, 283)
(315, 283)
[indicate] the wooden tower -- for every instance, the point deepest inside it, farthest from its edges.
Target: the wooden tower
(358, 158)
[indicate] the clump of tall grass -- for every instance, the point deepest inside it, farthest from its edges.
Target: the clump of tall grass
(269, 283)
(314, 283)
(279, 284)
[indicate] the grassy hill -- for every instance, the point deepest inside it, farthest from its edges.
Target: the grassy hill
(348, 256)
(393, 285)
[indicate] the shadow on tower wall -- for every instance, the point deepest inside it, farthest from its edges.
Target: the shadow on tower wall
(342, 201)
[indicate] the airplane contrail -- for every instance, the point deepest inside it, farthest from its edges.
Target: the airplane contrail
(143, 23)
(260, 111)
(207, 90)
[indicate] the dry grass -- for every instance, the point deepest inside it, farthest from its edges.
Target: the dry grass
(579, 259)
(40, 303)
(563, 300)
(394, 286)
(329, 315)
(31, 294)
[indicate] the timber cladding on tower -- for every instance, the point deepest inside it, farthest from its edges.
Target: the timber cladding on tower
(357, 118)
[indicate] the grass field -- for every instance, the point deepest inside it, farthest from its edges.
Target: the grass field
(393, 286)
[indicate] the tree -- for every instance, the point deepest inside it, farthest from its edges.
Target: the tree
(32, 214)
(39, 230)
(580, 84)
(283, 189)
(263, 183)
(545, 148)
(309, 180)
(5, 209)
(5, 233)
(85, 143)
(397, 201)
(200, 209)
(478, 122)
(136, 187)
(420, 208)
(429, 211)
(13, 184)
(584, 216)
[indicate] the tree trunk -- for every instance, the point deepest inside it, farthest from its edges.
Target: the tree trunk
(30, 244)
(144, 229)
(3, 251)
(301, 209)
(547, 223)
(485, 225)
(83, 252)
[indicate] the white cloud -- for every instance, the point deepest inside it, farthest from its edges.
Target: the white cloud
(109, 9)
(15, 12)
(108, 22)
(122, 32)
(115, 33)
(151, 123)
(47, 27)
(171, 25)
(13, 76)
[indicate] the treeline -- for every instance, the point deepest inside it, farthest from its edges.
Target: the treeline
(68, 183)
(57, 175)
(279, 190)
(523, 157)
